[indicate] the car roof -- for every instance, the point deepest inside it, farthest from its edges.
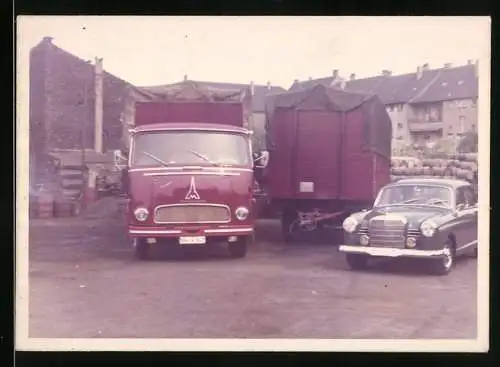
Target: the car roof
(191, 126)
(448, 182)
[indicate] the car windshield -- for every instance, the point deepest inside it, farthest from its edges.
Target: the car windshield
(415, 195)
(163, 148)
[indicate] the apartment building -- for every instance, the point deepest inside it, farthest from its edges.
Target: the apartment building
(424, 106)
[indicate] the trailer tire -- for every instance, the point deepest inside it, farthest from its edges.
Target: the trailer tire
(356, 261)
(141, 250)
(288, 218)
(238, 249)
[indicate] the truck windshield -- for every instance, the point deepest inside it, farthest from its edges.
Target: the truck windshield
(163, 148)
(415, 195)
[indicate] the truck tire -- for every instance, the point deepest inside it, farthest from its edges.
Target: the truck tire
(238, 249)
(141, 250)
(357, 262)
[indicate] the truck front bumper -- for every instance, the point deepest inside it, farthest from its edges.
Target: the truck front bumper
(391, 252)
(159, 232)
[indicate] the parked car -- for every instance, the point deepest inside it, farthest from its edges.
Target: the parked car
(434, 219)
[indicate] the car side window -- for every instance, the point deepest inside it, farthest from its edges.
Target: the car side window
(460, 199)
(470, 197)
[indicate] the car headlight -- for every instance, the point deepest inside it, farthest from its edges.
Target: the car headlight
(350, 224)
(141, 214)
(242, 213)
(428, 228)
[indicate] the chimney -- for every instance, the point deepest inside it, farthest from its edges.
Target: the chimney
(335, 73)
(310, 78)
(419, 72)
(469, 62)
(48, 39)
(447, 65)
(386, 72)
(185, 77)
(268, 85)
(425, 67)
(352, 76)
(252, 88)
(476, 68)
(98, 105)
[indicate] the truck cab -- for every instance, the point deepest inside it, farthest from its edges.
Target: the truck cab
(190, 184)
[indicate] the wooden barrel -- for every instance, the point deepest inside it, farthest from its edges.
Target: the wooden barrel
(45, 206)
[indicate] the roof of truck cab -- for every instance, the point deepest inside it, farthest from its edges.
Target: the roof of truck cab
(191, 126)
(449, 182)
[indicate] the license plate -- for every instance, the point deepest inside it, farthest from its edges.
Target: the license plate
(192, 240)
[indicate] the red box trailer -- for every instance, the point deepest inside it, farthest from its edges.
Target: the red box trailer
(329, 154)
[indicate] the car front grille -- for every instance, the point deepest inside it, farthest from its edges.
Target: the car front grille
(192, 214)
(387, 232)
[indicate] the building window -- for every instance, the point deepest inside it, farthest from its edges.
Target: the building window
(450, 134)
(400, 107)
(461, 121)
(400, 125)
(427, 137)
(474, 129)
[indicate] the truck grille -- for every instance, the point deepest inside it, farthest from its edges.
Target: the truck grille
(387, 233)
(192, 214)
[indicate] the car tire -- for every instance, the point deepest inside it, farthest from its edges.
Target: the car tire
(357, 262)
(238, 249)
(141, 250)
(443, 266)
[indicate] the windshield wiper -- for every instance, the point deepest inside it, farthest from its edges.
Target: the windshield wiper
(205, 158)
(155, 158)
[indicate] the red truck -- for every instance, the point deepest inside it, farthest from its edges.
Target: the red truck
(190, 173)
(329, 154)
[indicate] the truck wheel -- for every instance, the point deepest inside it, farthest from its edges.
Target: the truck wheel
(238, 249)
(141, 250)
(443, 266)
(357, 262)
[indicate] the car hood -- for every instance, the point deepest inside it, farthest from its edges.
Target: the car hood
(415, 215)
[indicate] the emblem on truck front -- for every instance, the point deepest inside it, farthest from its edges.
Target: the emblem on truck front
(192, 194)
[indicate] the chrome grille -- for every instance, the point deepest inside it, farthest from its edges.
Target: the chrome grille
(387, 233)
(192, 214)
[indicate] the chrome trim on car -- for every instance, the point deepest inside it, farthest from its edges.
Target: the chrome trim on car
(154, 231)
(230, 230)
(391, 252)
(467, 245)
(195, 173)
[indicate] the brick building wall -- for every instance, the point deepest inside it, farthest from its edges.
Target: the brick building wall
(62, 99)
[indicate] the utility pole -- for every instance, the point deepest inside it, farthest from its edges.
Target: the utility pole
(98, 146)
(85, 113)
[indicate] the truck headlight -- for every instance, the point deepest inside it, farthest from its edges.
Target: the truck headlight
(428, 228)
(350, 224)
(242, 213)
(141, 214)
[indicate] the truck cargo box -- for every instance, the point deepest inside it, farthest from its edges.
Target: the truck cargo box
(189, 102)
(327, 144)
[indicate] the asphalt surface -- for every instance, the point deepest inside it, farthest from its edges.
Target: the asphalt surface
(85, 282)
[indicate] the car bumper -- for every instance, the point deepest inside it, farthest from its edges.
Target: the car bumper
(390, 252)
(173, 233)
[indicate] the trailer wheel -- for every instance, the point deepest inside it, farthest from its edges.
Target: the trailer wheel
(141, 249)
(357, 262)
(289, 225)
(238, 249)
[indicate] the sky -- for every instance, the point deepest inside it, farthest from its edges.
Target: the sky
(161, 50)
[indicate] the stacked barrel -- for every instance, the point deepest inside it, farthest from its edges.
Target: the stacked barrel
(462, 166)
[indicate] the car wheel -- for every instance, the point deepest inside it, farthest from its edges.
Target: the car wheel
(238, 249)
(141, 250)
(443, 265)
(357, 262)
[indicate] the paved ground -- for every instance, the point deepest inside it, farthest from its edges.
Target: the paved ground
(84, 282)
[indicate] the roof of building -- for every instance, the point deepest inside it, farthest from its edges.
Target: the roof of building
(434, 85)
(258, 99)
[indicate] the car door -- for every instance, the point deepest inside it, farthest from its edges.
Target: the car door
(466, 235)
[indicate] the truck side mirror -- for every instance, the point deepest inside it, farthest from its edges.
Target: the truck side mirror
(261, 159)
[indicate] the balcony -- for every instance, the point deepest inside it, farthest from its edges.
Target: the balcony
(424, 126)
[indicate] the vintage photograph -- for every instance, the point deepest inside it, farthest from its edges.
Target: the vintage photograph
(191, 180)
